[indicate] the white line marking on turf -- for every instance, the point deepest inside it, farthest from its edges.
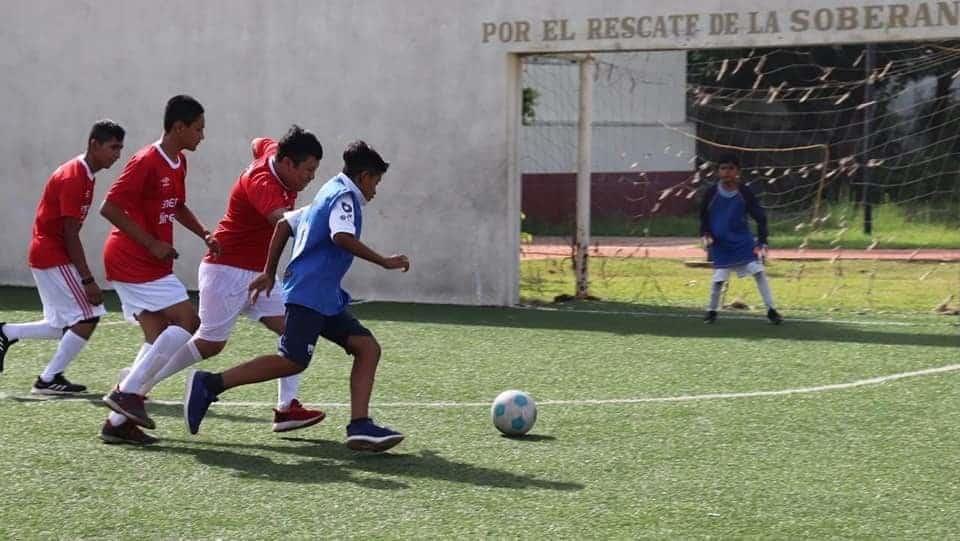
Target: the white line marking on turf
(580, 402)
(724, 315)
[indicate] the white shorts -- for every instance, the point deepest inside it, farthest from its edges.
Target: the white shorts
(224, 296)
(64, 302)
(154, 296)
(722, 275)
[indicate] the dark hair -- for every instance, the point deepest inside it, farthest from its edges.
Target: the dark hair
(360, 157)
(298, 144)
(729, 159)
(181, 108)
(105, 130)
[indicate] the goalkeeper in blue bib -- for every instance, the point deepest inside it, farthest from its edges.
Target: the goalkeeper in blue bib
(726, 235)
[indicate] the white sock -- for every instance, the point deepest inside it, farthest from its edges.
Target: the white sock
(169, 341)
(185, 356)
(715, 291)
(288, 388)
(144, 348)
(764, 287)
(115, 418)
(69, 348)
(32, 330)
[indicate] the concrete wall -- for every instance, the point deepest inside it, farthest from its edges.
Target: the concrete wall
(415, 78)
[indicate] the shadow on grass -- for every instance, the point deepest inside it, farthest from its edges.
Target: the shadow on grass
(328, 461)
(640, 320)
(153, 409)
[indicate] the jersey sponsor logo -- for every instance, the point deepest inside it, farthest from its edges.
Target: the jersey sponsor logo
(347, 207)
(167, 217)
(165, 182)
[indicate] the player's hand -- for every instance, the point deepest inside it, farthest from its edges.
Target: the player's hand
(162, 250)
(212, 244)
(399, 261)
(761, 252)
(93, 293)
(263, 283)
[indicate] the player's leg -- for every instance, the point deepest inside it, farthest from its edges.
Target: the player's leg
(763, 286)
(155, 304)
(56, 294)
(302, 328)
(717, 283)
(289, 413)
(362, 433)
(223, 295)
(66, 307)
(117, 428)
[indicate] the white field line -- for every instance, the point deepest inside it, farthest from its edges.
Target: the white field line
(583, 402)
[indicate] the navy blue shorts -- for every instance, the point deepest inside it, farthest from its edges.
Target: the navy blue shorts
(304, 326)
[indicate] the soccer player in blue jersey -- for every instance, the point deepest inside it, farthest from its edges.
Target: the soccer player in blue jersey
(726, 235)
(326, 239)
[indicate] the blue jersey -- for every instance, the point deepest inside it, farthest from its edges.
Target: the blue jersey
(723, 216)
(317, 265)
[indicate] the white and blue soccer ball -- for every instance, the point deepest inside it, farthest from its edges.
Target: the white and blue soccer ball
(513, 412)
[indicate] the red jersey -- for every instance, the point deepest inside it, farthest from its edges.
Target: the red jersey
(150, 190)
(68, 194)
(244, 232)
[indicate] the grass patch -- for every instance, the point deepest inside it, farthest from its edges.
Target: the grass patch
(822, 465)
(847, 286)
(842, 225)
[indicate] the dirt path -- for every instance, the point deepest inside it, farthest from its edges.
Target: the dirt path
(689, 248)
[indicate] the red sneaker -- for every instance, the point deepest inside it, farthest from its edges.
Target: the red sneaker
(296, 416)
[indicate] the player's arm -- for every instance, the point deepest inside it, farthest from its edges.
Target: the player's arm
(189, 220)
(263, 283)
(353, 245)
(705, 233)
(71, 239)
(116, 216)
(755, 210)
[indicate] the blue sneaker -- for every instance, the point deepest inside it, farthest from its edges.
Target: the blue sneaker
(364, 435)
(197, 400)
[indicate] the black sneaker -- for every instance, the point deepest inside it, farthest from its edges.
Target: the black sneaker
(711, 317)
(774, 316)
(59, 386)
(127, 433)
(130, 405)
(5, 344)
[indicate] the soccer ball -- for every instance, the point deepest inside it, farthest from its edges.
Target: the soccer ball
(513, 412)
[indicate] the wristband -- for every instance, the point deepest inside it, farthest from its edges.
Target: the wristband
(87, 281)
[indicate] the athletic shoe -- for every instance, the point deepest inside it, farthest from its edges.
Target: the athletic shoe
(296, 416)
(128, 433)
(197, 400)
(364, 435)
(130, 405)
(59, 386)
(5, 344)
(711, 317)
(774, 316)
(122, 375)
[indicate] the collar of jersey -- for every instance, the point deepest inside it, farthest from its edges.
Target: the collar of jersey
(353, 188)
(83, 160)
(173, 165)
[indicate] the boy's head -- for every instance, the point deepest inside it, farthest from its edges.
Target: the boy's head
(728, 168)
(183, 120)
(298, 156)
(364, 166)
(104, 144)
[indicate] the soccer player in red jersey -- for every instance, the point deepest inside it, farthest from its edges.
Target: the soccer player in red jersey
(142, 204)
(263, 193)
(72, 300)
